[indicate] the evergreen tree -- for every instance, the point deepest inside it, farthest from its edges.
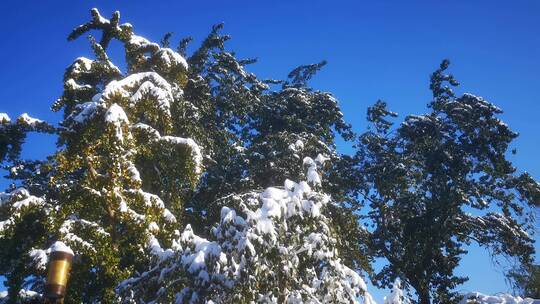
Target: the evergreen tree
(117, 129)
(275, 246)
(168, 142)
(439, 181)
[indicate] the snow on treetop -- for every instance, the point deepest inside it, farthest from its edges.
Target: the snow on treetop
(147, 83)
(101, 19)
(81, 64)
(482, 102)
(28, 120)
(124, 32)
(172, 58)
(61, 247)
(4, 118)
(141, 42)
(115, 114)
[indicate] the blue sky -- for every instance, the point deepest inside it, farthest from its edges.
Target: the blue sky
(375, 49)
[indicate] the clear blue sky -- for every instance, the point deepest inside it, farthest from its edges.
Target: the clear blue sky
(376, 49)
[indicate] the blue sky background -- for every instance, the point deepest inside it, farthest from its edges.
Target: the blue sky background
(376, 49)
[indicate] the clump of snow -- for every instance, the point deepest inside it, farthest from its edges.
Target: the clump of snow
(61, 247)
(195, 256)
(140, 42)
(16, 169)
(171, 58)
(67, 229)
(40, 258)
(28, 295)
(157, 250)
(479, 298)
(397, 296)
(28, 120)
(116, 116)
(321, 159)
(153, 227)
(289, 184)
(81, 65)
(169, 217)
(313, 176)
(134, 172)
(296, 146)
(23, 296)
(134, 88)
(16, 201)
(84, 111)
(4, 118)
(73, 85)
(132, 214)
(100, 19)
(146, 83)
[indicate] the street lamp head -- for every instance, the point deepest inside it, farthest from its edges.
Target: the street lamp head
(60, 261)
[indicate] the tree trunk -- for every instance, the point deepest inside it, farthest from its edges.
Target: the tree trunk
(422, 292)
(423, 297)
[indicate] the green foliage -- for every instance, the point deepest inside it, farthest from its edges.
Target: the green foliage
(170, 141)
(434, 184)
(526, 280)
(92, 196)
(143, 152)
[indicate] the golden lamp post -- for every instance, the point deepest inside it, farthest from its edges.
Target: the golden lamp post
(58, 273)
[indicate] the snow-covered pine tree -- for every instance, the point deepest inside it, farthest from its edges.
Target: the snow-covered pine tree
(117, 131)
(267, 134)
(132, 145)
(438, 182)
(274, 246)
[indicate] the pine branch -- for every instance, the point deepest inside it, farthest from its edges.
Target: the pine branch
(110, 28)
